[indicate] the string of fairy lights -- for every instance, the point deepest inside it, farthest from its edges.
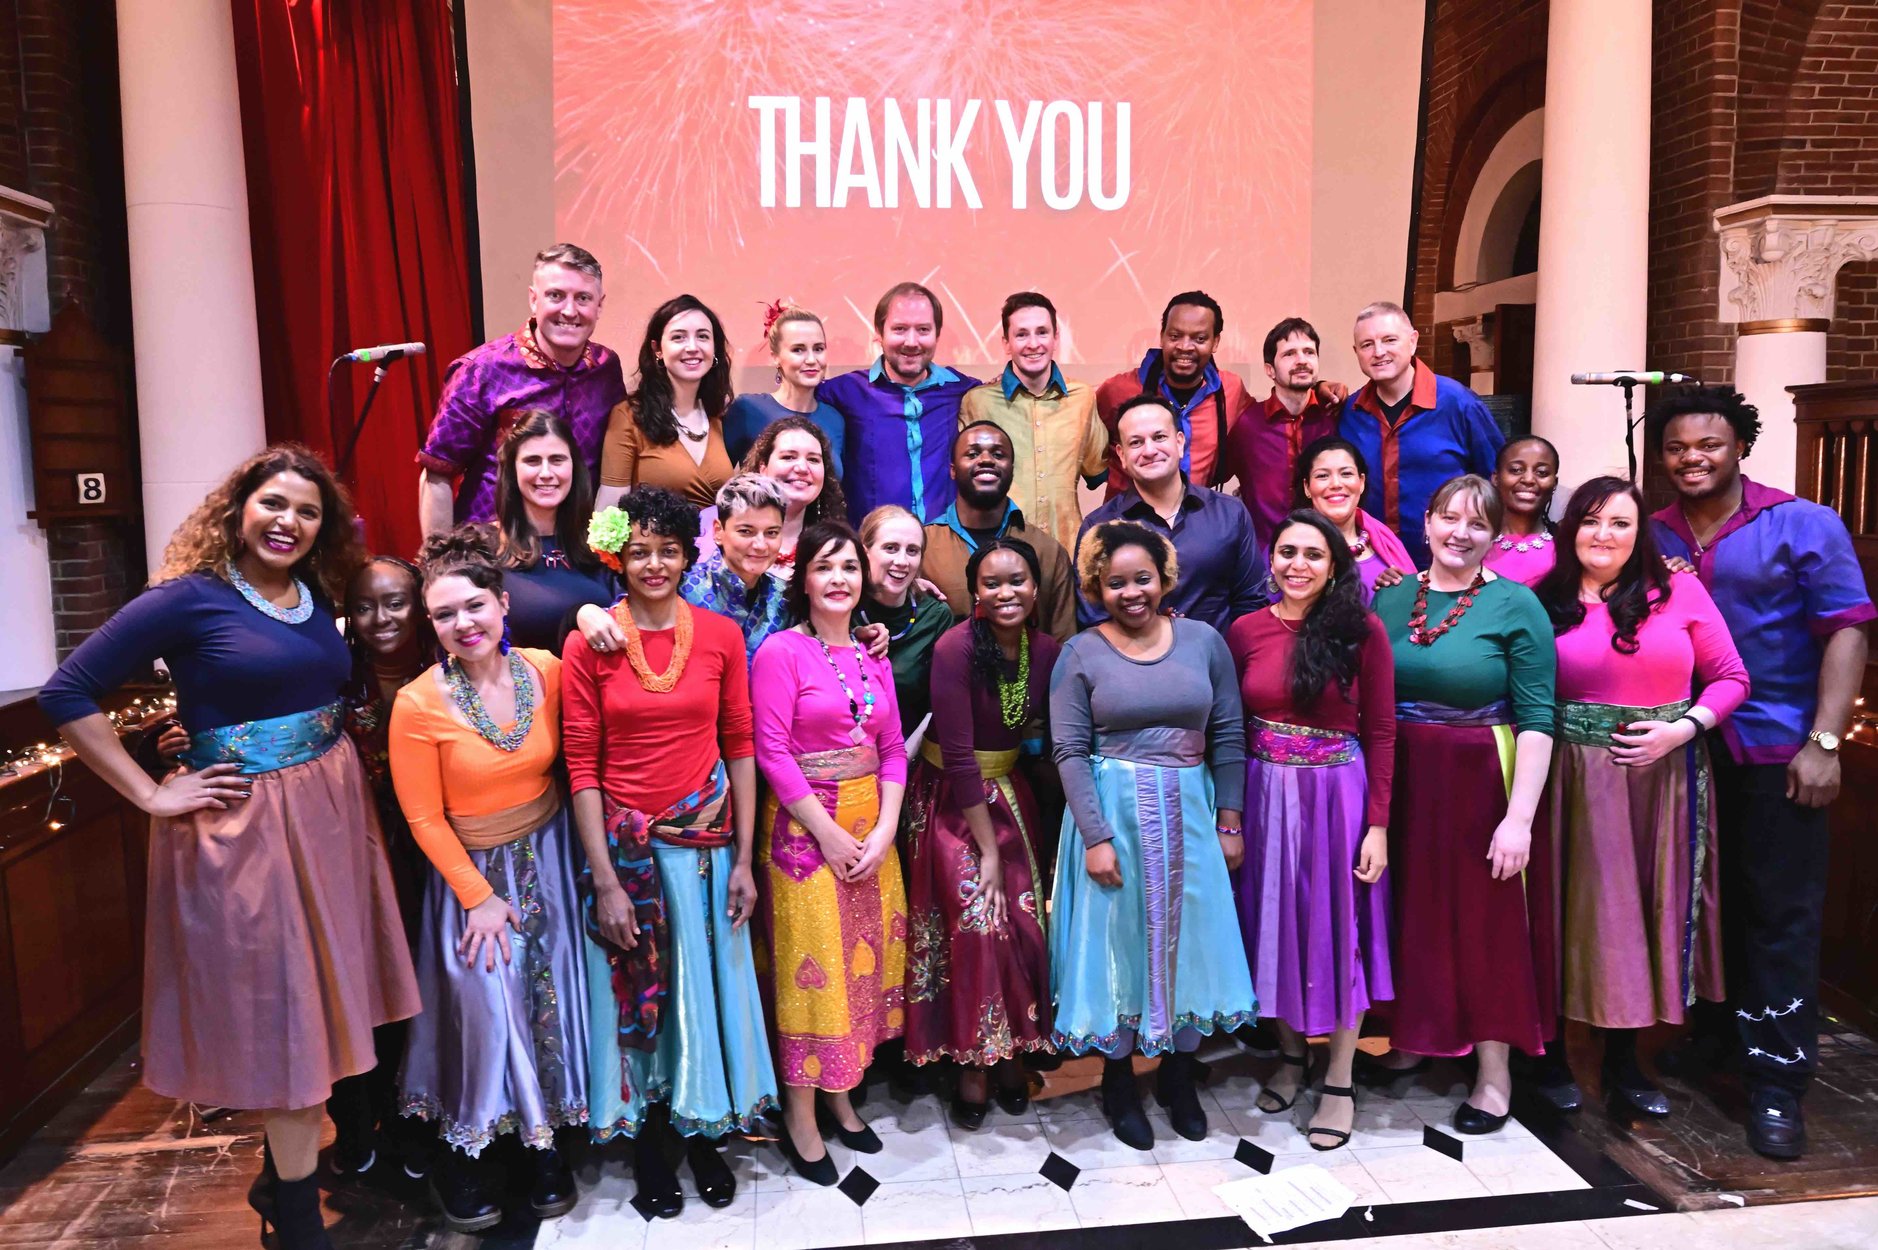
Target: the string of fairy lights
(20, 766)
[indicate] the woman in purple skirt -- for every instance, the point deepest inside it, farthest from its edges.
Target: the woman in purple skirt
(1318, 683)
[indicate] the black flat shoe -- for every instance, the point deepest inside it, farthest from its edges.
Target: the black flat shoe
(1272, 1104)
(1473, 1121)
(1175, 1089)
(820, 1171)
(1776, 1124)
(969, 1115)
(1012, 1101)
(1342, 1138)
(1563, 1096)
(717, 1184)
(1369, 1072)
(460, 1195)
(553, 1192)
(657, 1193)
(1121, 1105)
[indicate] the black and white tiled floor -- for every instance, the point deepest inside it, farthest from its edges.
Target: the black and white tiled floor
(1057, 1168)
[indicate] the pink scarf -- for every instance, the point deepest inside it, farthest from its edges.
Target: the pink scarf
(1384, 543)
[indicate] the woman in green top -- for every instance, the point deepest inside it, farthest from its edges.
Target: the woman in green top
(895, 540)
(1474, 668)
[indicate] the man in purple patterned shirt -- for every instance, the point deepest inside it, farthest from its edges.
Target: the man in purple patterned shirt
(551, 364)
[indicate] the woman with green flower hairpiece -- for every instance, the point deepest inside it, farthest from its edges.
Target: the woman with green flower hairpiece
(978, 968)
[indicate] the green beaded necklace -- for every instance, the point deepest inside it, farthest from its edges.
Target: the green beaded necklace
(1014, 696)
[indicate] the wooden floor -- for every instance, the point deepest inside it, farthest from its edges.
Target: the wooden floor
(121, 1167)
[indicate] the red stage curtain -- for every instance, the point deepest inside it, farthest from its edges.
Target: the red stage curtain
(356, 204)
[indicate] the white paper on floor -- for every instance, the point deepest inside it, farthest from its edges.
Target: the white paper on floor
(1285, 1200)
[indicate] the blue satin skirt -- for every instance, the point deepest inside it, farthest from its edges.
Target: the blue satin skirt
(711, 1062)
(1162, 952)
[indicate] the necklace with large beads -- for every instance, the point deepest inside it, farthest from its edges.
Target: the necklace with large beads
(1014, 696)
(298, 614)
(860, 707)
(463, 694)
(1419, 633)
(1532, 542)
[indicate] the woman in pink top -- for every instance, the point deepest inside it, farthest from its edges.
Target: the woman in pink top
(1526, 474)
(1645, 669)
(828, 743)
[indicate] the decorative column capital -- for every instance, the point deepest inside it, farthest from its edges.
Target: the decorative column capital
(23, 303)
(1477, 334)
(1781, 254)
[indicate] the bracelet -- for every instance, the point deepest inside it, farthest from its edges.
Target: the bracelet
(1225, 832)
(1700, 728)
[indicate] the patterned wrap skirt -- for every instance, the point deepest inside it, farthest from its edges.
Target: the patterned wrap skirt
(273, 944)
(1317, 938)
(974, 995)
(1477, 957)
(1161, 952)
(504, 1051)
(1635, 856)
(710, 1061)
(836, 949)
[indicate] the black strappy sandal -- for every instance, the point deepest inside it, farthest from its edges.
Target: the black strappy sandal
(1333, 1091)
(1296, 1061)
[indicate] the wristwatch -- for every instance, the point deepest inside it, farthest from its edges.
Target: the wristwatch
(1825, 739)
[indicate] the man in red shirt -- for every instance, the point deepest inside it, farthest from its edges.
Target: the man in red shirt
(1262, 447)
(1205, 400)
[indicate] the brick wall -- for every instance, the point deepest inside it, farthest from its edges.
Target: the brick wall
(60, 140)
(1852, 345)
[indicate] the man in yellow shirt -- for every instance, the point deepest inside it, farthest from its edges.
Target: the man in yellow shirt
(1056, 438)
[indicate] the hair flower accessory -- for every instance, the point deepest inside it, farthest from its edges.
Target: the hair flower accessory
(773, 312)
(607, 534)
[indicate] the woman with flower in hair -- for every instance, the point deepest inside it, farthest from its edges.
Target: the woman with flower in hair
(978, 969)
(273, 945)
(660, 761)
(502, 1044)
(670, 431)
(799, 345)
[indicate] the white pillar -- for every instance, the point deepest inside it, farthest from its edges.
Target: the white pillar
(1594, 228)
(31, 651)
(199, 408)
(1780, 262)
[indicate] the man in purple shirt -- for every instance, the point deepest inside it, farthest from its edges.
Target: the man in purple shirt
(1263, 445)
(900, 415)
(551, 364)
(1222, 576)
(1784, 575)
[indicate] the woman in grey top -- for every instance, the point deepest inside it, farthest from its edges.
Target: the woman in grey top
(1145, 951)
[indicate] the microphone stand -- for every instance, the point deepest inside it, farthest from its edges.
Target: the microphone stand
(358, 426)
(1631, 422)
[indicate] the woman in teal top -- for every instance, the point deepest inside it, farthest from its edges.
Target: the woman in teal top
(1474, 672)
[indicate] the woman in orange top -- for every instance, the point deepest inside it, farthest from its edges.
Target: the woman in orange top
(502, 1043)
(670, 431)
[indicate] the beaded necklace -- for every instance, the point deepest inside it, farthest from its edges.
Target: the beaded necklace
(1532, 542)
(1419, 633)
(1014, 696)
(861, 707)
(298, 614)
(1360, 547)
(657, 683)
(470, 704)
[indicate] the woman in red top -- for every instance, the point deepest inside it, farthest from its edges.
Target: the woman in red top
(1318, 682)
(662, 769)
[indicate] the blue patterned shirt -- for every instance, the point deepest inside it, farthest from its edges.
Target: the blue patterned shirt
(758, 611)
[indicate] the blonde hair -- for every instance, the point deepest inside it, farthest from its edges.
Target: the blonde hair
(1478, 491)
(875, 521)
(792, 313)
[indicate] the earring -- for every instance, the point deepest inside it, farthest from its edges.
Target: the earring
(779, 377)
(504, 644)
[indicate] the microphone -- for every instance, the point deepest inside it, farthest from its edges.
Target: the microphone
(1630, 377)
(385, 352)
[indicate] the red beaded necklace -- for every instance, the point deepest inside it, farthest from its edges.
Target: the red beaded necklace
(1419, 633)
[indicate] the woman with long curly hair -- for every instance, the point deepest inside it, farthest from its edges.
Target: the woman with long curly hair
(978, 968)
(273, 945)
(670, 431)
(1318, 684)
(544, 503)
(1631, 798)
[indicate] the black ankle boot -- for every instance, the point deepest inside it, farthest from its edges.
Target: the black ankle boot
(297, 1222)
(1174, 1089)
(553, 1191)
(717, 1185)
(355, 1136)
(261, 1192)
(457, 1186)
(658, 1193)
(1121, 1103)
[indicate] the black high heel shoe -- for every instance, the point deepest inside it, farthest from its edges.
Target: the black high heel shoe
(261, 1191)
(1343, 1138)
(861, 1140)
(298, 1224)
(820, 1171)
(717, 1185)
(1277, 1104)
(1012, 1099)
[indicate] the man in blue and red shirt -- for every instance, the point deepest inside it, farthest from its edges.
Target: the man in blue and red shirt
(1206, 400)
(1415, 428)
(1784, 575)
(900, 414)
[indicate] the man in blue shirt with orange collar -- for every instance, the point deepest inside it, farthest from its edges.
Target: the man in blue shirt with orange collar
(1206, 400)
(900, 414)
(1783, 572)
(1415, 428)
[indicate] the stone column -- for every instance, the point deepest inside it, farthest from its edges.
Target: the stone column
(1476, 334)
(199, 408)
(1781, 256)
(30, 653)
(1594, 228)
